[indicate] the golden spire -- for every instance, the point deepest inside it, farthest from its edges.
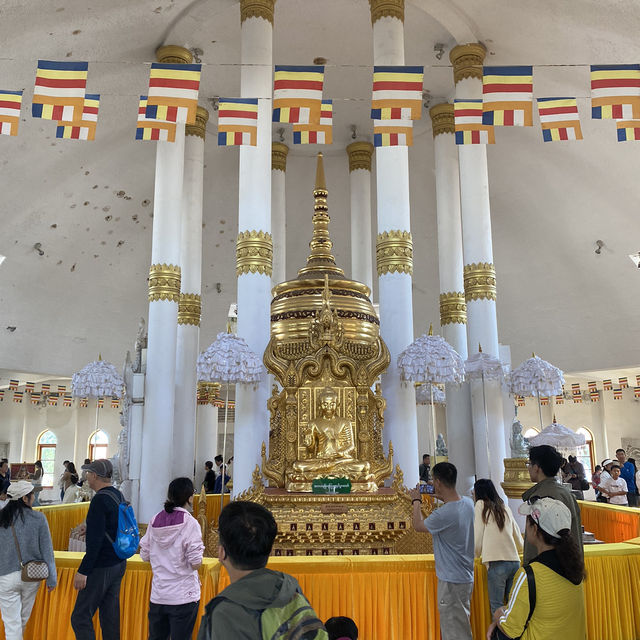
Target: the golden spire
(431, 329)
(320, 259)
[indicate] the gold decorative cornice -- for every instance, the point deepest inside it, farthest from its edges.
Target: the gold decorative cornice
(257, 9)
(279, 152)
(164, 282)
(189, 309)
(174, 54)
(394, 252)
(254, 253)
(360, 155)
(208, 391)
(479, 281)
(442, 120)
(386, 9)
(199, 127)
(453, 308)
(467, 60)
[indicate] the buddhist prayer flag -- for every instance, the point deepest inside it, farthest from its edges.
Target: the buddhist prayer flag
(13, 384)
(392, 133)
(592, 386)
(85, 128)
(607, 385)
(507, 96)
(615, 92)
(623, 382)
(321, 133)
(17, 396)
(544, 400)
(617, 394)
(67, 400)
(576, 392)
(150, 129)
(1, 395)
(45, 388)
(115, 403)
(59, 91)
(35, 398)
(594, 394)
(84, 402)
(53, 401)
(628, 130)
(520, 401)
(100, 403)
(636, 392)
(62, 389)
(560, 399)
(638, 380)
(173, 92)
(10, 103)
(397, 93)
(559, 119)
(237, 121)
(468, 123)
(29, 387)
(297, 94)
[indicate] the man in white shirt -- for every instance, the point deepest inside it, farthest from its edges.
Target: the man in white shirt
(616, 487)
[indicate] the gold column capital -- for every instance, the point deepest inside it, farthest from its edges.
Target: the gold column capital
(257, 9)
(254, 253)
(360, 153)
(453, 308)
(479, 281)
(279, 152)
(394, 252)
(174, 54)
(164, 282)
(190, 309)
(467, 60)
(386, 9)
(199, 127)
(442, 120)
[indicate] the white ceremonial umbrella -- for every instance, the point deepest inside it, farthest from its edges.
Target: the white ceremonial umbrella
(484, 366)
(536, 377)
(431, 359)
(99, 378)
(558, 436)
(228, 360)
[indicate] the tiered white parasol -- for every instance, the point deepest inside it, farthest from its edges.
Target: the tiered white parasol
(229, 360)
(99, 378)
(558, 436)
(536, 377)
(427, 392)
(431, 359)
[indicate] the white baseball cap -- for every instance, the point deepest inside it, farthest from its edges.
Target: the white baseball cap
(607, 462)
(550, 515)
(19, 489)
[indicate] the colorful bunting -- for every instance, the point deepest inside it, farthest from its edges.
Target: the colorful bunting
(237, 121)
(10, 104)
(520, 401)
(45, 388)
(544, 400)
(85, 128)
(62, 389)
(1, 395)
(115, 403)
(638, 380)
(636, 392)
(100, 402)
(576, 393)
(297, 94)
(29, 387)
(13, 384)
(628, 130)
(59, 90)
(623, 383)
(53, 400)
(607, 385)
(507, 96)
(615, 92)
(392, 133)
(397, 93)
(316, 133)
(67, 401)
(559, 119)
(149, 129)
(35, 398)
(173, 92)
(468, 123)
(560, 399)
(617, 394)
(17, 397)
(84, 402)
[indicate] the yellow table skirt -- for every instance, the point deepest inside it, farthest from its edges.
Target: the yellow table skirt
(213, 506)
(610, 522)
(62, 518)
(390, 597)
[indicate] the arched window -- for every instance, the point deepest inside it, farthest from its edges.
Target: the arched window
(530, 432)
(585, 454)
(98, 445)
(46, 452)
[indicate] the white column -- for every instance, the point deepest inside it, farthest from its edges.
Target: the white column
(479, 271)
(279, 153)
(360, 182)
(394, 253)
(189, 308)
(164, 295)
(453, 313)
(207, 429)
(254, 268)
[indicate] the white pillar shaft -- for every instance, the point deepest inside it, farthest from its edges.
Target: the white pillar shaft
(361, 256)
(254, 213)
(157, 431)
(279, 225)
(207, 439)
(188, 336)
(395, 294)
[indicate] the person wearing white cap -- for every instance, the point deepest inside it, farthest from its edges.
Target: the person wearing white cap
(24, 537)
(547, 599)
(605, 477)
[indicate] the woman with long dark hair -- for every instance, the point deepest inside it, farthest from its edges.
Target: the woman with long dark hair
(173, 544)
(36, 478)
(24, 537)
(552, 582)
(497, 540)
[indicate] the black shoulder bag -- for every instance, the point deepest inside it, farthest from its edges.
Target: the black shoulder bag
(498, 634)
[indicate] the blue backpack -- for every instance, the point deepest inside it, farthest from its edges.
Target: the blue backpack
(127, 532)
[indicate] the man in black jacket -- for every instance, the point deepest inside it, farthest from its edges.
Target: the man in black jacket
(101, 570)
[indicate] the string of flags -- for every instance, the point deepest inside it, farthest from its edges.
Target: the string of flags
(592, 392)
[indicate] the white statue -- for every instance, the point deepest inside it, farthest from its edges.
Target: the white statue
(441, 447)
(519, 444)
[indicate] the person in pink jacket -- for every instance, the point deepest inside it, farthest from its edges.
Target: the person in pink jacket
(173, 545)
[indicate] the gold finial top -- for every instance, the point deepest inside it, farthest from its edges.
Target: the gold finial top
(431, 329)
(479, 348)
(174, 54)
(99, 357)
(554, 418)
(533, 354)
(320, 259)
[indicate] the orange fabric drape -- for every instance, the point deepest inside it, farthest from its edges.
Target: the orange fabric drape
(213, 506)
(609, 522)
(62, 518)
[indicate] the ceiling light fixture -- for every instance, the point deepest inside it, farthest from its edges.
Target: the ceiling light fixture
(599, 245)
(635, 258)
(438, 49)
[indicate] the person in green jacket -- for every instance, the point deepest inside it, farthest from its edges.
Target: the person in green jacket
(544, 463)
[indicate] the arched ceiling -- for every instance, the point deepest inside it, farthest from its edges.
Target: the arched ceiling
(90, 204)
